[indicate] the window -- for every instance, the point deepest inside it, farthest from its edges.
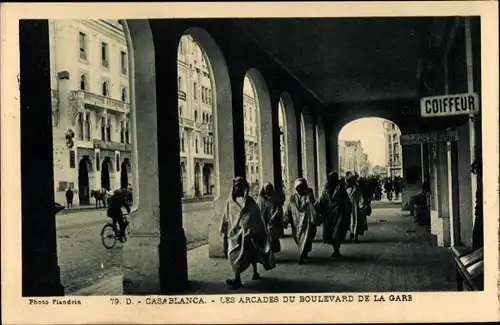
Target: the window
(72, 159)
(108, 130)
(105, 89)
(127, 132)
(123, 60)
(196, 145)
(103, 129)
(87, 128)
(181, 47)
(122, 131)
(203, 94)
(179, 83)
(183, 144)
(83, 82)
(83, 45)
(180, 110)
(124, 94)
(196, 116)
(97, 161)
(195, 90)
(104, 55)
(117, 158)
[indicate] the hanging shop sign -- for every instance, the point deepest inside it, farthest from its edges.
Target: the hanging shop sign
(449, 105)
(420, 138)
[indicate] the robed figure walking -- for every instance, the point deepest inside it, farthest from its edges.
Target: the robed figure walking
(358, 223)
(300, 214)
(334, 206)
(247, 240)
(272, 213)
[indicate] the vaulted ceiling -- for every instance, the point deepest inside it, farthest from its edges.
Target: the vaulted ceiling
(347, 59)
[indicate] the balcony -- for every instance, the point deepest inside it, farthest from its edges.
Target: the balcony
(206, 128)
(182, 95)
(111, 145)
(81, 99)
(187, 123)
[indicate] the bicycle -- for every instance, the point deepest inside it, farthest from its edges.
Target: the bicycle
(110, 233)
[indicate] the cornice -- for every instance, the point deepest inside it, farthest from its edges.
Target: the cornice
(105, 28)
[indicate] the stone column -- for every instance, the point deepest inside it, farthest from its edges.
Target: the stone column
(309, 150)
(412, 173)
(40, 270)
(443, 226)
(321, 147)
(154, 259)
(333, 152)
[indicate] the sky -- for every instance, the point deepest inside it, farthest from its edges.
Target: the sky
(371, 134)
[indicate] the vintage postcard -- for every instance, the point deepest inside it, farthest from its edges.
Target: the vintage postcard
(249, 162)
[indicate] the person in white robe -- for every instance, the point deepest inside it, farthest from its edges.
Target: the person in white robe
(358, 223)
(247, 239)
(300, 214)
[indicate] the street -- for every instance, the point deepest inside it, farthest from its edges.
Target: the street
(84, 260)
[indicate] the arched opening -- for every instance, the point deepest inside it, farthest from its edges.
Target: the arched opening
(183, 179)
(283, 144)
(197, 181)
(374, 154)
(103, 138)
(292, 168)
(105, 173)
(83, 181)
(250, 121)
(303, 142)
(133, 103)
(257, 119)
(125, 173)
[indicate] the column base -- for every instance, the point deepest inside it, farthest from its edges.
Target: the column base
(140, 265)
(155, 266)
(215, 249)
(36, 284)
(434, 222)
(443, 232)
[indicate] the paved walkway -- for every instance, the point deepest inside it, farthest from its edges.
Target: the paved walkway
(395, 255)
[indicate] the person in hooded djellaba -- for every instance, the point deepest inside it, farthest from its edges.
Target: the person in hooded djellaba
(334, 205)
(301, 215)
(245, 234)
(359, 223)
(272, 213)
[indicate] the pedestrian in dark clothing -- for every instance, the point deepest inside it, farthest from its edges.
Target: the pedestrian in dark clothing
(69, 197)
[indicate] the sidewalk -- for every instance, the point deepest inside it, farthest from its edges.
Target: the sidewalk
(395, 255)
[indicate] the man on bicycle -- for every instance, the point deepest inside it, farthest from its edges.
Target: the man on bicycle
(115, 203)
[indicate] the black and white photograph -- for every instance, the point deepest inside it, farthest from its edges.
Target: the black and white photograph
(253, 159)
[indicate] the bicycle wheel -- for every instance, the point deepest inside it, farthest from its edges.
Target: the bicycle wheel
(126, 232)
(108, 236)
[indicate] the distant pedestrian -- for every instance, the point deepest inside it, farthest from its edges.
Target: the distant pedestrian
(69, 197)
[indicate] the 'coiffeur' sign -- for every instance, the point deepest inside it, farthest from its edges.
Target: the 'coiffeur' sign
(449, 105)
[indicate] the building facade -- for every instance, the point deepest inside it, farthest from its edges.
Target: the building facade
(251, 121)
(90, 107)
(195, 119)
(353, 159)
(91, 111)
(393, 155)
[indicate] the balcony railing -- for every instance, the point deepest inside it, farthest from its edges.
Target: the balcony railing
(182, 95)
(112, 145)
(104, 102)
(186, 122)
(207, 127)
